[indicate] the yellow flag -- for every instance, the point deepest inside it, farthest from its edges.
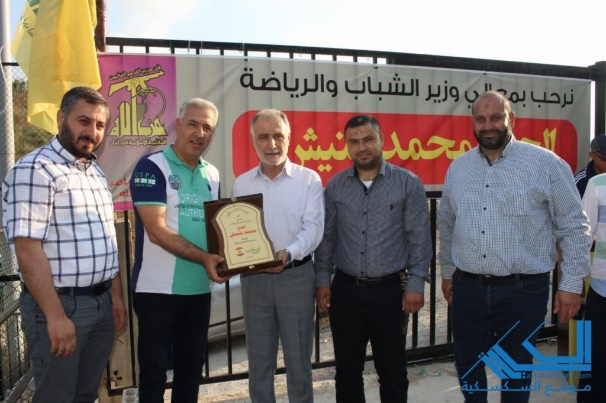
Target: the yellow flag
(54, 45)
(22, 41)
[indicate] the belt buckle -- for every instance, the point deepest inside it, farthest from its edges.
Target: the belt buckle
(98, 289)
(364, 282)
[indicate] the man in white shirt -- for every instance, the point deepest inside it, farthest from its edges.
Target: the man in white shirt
(594, 202)
(278, 303)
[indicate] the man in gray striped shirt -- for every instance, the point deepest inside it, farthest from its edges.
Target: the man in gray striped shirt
(376, 233)
(505, 205)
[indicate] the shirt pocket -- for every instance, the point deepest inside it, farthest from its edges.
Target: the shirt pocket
(392, 210)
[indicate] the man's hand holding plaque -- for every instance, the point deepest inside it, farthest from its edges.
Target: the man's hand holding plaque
(284, 257)
(213, 263)
(236, 232)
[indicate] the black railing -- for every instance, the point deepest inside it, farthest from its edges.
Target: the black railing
(430, 333)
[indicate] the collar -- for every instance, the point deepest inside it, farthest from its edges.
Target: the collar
(506, 151)
(353, 171)
(286, 169)
(172, 157)
(67, 156)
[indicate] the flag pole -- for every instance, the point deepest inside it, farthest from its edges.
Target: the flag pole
(100, 28)
(7, 135)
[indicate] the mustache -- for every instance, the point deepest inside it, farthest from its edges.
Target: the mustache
(495, 131)
(89, 138)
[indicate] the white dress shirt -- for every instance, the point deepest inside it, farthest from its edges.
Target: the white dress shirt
(293, 206)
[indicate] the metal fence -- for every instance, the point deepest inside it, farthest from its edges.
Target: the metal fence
(429, 335)
(14, 362)
(15, 372)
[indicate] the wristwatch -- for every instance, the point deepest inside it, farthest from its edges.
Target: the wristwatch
(289, 260)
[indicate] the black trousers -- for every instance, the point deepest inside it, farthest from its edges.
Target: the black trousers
(359, 315)
(177, 323)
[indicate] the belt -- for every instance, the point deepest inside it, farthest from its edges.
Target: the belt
(297, 263)
(93, 290)
(496, 280)
(370, 281)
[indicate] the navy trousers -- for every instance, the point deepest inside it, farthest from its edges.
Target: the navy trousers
(483, 314)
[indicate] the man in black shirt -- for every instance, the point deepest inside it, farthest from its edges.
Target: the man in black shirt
(597, 165)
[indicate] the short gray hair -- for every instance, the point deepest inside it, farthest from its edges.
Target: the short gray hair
(267, 113)
(202, 103)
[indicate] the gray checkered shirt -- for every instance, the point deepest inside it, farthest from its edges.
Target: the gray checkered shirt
(376, 231)
(506, 217)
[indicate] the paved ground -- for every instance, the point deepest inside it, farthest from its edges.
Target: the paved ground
(430, 383)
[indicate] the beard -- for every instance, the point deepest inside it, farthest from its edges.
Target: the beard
(373, 162)
(502, 137)
(69, 141)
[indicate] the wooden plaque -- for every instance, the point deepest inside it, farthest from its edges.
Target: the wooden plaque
(235, 230)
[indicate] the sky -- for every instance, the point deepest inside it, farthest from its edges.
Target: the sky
(533, 31)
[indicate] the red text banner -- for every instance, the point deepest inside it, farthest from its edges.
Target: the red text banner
(423, 144)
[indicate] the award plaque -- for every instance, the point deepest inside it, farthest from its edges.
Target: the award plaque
(235, 231)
